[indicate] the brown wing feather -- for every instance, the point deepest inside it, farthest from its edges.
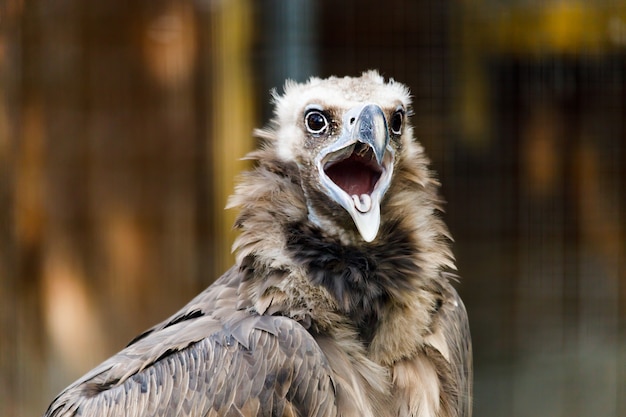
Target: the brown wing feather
(210, 363)
(457, 331)
(451, 340)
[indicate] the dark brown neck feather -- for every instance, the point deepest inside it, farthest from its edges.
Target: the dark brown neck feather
(364, 278)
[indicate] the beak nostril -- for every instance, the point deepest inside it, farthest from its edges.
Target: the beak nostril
(352, 120)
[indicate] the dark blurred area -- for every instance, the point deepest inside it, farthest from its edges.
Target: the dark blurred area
(122, 125)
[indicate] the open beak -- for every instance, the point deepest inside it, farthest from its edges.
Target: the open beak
(356, 169)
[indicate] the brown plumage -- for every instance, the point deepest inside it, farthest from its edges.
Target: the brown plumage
(338, 304)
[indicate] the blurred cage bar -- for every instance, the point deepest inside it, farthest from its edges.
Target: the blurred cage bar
(122, 125)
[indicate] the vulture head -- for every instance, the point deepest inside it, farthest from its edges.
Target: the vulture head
(345, 136)
(342, 200)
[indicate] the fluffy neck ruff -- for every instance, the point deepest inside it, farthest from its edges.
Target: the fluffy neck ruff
(380, 289)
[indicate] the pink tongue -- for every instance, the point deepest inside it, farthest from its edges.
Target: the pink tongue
(353, 176)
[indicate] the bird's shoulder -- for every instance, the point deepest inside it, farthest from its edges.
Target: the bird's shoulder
(439, 376)
(210, 357)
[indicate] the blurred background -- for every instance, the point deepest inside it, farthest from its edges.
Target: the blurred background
(122, 124)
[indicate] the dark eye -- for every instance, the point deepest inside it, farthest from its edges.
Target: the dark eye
(316, 122)
(396, 122)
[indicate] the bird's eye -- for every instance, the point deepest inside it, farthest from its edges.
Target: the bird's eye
(396, 122)
(316, 122)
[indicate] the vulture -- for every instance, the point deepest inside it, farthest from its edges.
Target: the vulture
(340, 302)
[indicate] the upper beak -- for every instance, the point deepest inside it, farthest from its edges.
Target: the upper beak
(356, 169)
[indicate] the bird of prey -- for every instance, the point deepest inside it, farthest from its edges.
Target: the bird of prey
(340, 301)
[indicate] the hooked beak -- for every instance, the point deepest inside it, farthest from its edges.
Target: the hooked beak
(356, 170)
